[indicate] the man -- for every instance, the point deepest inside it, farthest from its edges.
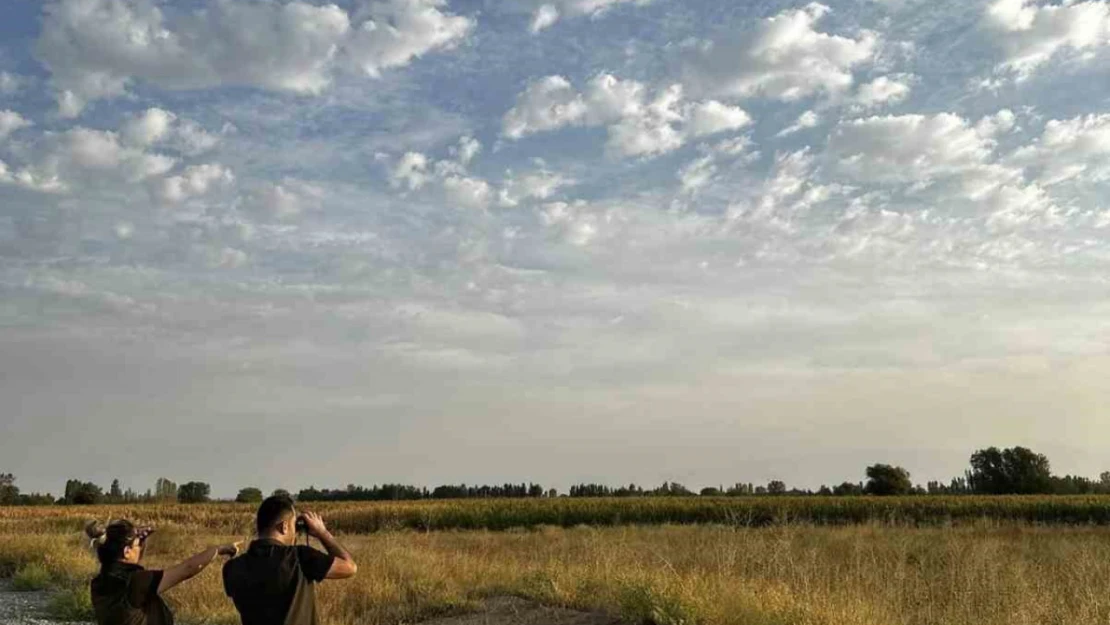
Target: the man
(273, 583)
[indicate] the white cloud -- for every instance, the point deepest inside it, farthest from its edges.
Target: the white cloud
(712, 117)
(944, 159)
(883, 90)
(195, 181)
(467, 191)
(789, 191)
(546, 104)
(1000, 123)
(546, 15)
(415, 171)
(652, 130)
(398, 31)
(808, 119)
(11, 121)
(148, 128)
(784, 57)
(637, 125)
(192, 140)
(572, 222)
(411, 172)
(95, 48)
(284, 200)
(466, 150)
(1031, 35)
(540, 184)
(1072, 149)
(907, 148)
(697, 173)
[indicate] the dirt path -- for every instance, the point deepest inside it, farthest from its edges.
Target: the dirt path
(516, 611)
(23, 608)
(29, 608)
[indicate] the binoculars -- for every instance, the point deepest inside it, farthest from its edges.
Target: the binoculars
(301, 525)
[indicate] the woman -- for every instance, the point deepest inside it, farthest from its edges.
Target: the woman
(124, 593)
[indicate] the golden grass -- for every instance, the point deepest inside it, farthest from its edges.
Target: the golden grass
(671, 575)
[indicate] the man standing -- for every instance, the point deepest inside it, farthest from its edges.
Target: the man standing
(273, 583)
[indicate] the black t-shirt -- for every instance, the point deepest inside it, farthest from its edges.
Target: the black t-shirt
(127, 594)
(263, 581)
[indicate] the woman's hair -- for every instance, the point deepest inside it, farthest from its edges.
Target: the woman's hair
(110, 541)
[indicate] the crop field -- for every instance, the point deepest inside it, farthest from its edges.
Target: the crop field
(917, 561)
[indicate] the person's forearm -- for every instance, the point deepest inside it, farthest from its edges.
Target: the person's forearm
(194, 565)
(333, 546)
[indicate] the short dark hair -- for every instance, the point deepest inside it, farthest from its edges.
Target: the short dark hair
(272, 511)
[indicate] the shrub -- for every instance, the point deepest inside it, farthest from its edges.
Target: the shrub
(72, 604)
(31, 577)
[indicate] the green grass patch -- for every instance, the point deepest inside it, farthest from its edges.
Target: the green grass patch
(31, 577)
(72, 604)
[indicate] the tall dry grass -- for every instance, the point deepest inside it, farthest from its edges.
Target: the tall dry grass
(873, 574)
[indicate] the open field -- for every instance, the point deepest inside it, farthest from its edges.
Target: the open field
(984, 571)
(502, 514)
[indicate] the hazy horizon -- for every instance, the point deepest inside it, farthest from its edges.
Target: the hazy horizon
(288, 243)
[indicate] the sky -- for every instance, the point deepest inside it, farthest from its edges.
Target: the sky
(287, 243)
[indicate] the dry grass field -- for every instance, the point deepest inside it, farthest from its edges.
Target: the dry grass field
(876, 573)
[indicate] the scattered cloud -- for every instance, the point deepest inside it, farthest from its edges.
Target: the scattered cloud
(907, 148)
(1032, 34)
(11, 121)
(546, 15)
(194, 181)
(882, 91)
(808, 119)
(784, 57)
(415, 171)
(1076, 149)
(639, 124)
(395, 32)
(95, 48)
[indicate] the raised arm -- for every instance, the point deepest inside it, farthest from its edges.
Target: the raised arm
(191, 567)
(344, 565)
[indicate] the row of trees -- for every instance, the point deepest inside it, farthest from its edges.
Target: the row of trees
(79, 492)
(992, 471)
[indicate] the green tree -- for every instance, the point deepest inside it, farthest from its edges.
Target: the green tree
(165, 490)
(115, 493)
(847, 489)
(249, 495)
(1015, 471)
(9, 492)
(776, 487)
(281, 492)
(193, 492)
(82, 493)
(884, 479)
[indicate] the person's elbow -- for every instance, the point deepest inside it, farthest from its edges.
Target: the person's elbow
(343, 569)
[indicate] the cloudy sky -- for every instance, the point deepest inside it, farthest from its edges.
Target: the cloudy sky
(282, 243)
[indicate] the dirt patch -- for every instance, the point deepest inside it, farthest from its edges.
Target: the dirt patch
(517, 611)
(22, 608)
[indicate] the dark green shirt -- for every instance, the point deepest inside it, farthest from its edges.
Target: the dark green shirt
(127, 594)
(272, 584)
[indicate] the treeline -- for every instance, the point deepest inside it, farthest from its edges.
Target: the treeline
(79, 492)
(992, 471)
(402, 492)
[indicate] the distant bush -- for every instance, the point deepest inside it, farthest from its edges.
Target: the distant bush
(249, 495)
(193, 492)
